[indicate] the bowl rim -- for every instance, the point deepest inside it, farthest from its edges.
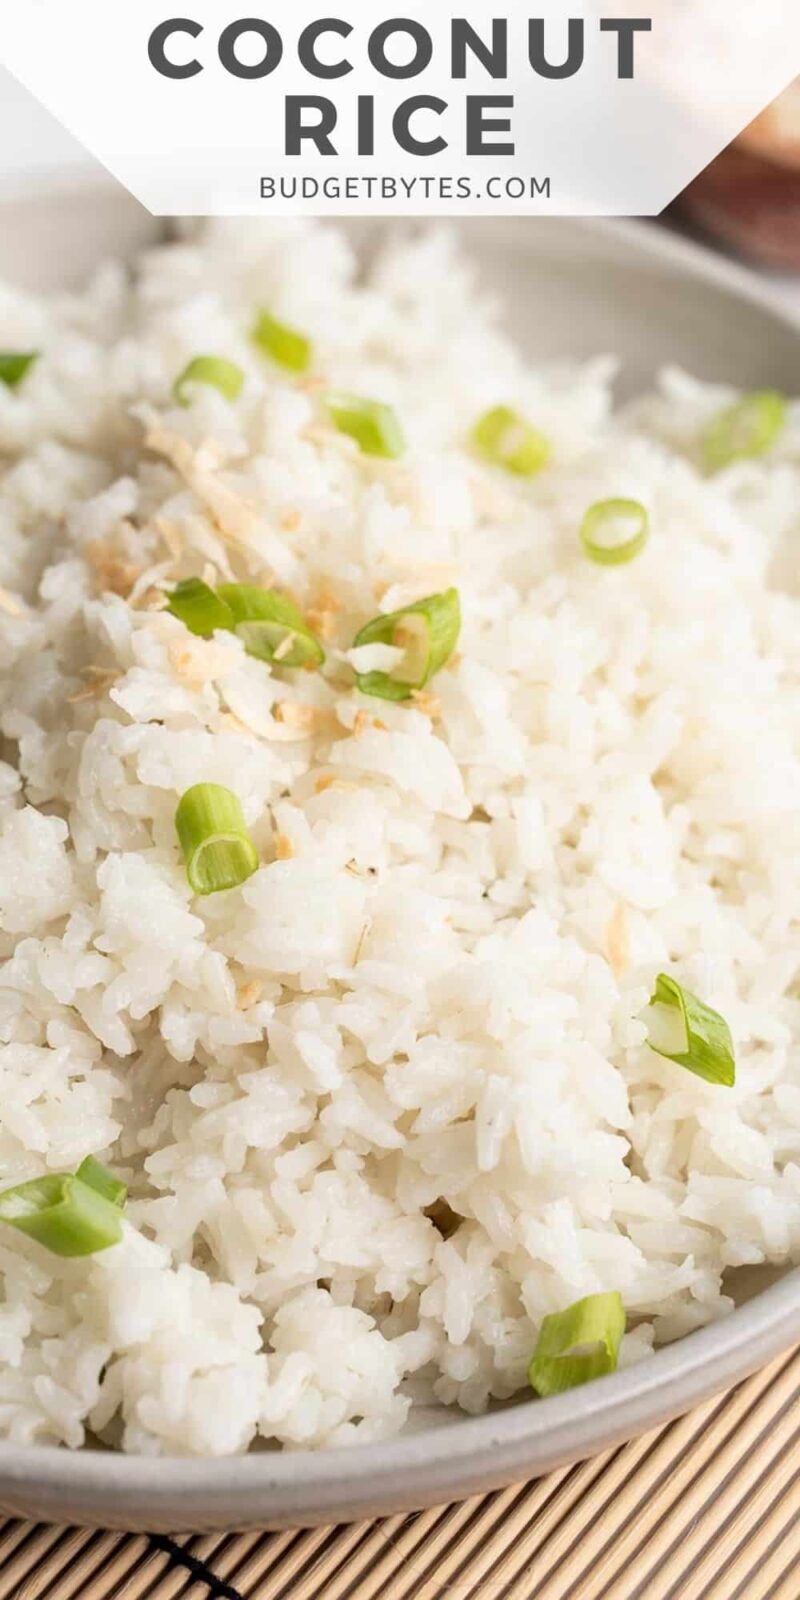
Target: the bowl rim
(523, 1438)
(462, 1455)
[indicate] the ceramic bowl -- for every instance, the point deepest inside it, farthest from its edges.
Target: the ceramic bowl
(571, 288)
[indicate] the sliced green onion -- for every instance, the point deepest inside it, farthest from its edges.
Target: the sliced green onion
(696, 1037)
(507, 440)
(375, 427)
(199, 608)
(99, 1178)
(578, 1344)
(744, 430)
(216, 845)
(14, 364)
(63, 1213)
(215, 371)
(614, 531)
(269, 626)
(427, 633)
(283, 344)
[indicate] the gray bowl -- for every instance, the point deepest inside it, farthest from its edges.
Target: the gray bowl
(571, 288)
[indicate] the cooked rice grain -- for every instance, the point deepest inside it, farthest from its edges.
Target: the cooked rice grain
(428, 999)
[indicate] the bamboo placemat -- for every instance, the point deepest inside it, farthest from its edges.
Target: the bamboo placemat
(707, 1508)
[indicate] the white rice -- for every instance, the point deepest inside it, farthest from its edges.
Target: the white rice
(432, 990)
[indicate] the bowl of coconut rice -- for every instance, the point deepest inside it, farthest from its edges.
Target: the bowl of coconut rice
(399, 843)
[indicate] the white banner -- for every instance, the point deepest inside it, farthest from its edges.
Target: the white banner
(203, 107)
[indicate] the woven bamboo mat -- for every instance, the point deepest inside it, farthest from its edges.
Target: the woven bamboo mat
(707, 1508)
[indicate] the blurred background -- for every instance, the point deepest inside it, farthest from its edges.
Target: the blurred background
(749, 198)
(31, 141)
(747, 201)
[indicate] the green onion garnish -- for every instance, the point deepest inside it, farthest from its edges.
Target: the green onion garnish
(578, 1344)
(283, 344)
(212, 370)
(270, 626)
(506, 439)
(744, 430)
(64, 1213)
(375, 427)
(216, 845)
(98, 1177)
(426, 632)
(697, 1038)
(14, 364)
(199, 608)
(614, 531)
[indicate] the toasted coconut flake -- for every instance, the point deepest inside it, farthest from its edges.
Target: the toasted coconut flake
(427, 702)
(322, 623)
(363, 721)
(249, 994)
(322, 614)
(195, 530)
(89, 693)
(327, 781)
(11, 604)
(229, 719)
(363, 936)
(267, 727)
(327, 599)
(235, 517)
(202, 533)
(180, 660)
(113, 573)
(153, 600)
(104, 679)
(284, 849)
(291, 521)
(173, 447)
(169, 530)
(279, 734)
(294, 714)
(317, 433)
(617, 939)
(199, 661)
(153, 578)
